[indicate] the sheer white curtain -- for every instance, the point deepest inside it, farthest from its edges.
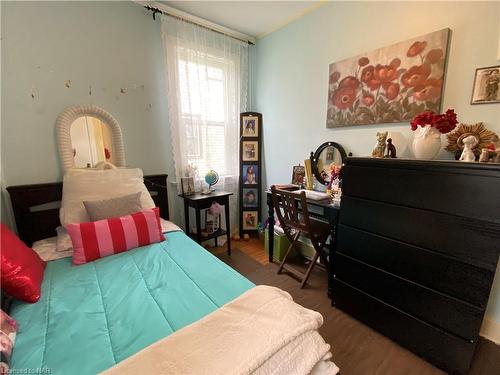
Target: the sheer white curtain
(207, 79)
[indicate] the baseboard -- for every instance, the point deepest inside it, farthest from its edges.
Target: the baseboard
(490, 329)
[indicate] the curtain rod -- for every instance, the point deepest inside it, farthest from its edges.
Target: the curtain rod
(155, 10)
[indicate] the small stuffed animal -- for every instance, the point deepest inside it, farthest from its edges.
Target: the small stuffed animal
(379, 149)
(467, 154)
(391, 149)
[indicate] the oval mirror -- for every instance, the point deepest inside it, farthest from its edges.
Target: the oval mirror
(327, 154)
(92, 142)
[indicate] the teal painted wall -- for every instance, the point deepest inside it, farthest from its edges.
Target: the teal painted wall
(106, 45)
(292, 75)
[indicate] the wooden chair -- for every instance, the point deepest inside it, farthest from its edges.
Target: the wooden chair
(296, 222)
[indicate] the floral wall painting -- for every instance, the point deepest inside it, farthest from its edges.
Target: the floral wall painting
(391, 84)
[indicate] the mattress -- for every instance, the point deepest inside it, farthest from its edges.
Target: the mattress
(92, 316)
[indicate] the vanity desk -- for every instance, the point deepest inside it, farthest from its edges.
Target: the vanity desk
(328, 155)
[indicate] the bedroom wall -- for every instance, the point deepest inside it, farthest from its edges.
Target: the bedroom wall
(106, 45)
(292, 76)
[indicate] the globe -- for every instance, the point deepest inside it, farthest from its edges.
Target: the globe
(212, 177)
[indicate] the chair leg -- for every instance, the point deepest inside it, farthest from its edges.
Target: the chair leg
(289, 250)
(309, 269)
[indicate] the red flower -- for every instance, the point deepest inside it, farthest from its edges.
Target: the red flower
(395, 63)
(416, 48)
(391, 90)
(349, 81)
(385, 73)
(434, 55)
(367, 77)
(445, 122)
(334, 77)
(344, 97)
(429, 90)
(363, 61)
(368, 100)
(416, 75)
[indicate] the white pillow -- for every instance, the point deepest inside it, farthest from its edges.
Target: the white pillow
(90, 184)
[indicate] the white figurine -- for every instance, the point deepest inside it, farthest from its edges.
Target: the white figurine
(467, 154)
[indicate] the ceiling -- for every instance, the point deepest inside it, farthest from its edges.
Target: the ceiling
(254, 18)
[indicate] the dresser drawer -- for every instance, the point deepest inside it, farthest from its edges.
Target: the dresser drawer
(449, 187)
(443, 349)
(467, 240)
(431, 269)
(440, 310)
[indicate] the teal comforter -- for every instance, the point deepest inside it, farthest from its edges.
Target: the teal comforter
(93, 316)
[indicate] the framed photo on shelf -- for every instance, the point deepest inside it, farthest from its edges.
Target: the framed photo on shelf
(250, 174)
(250, 197)
(187, 185)
(250, 220)
(486, 88)
(250, 150)
(298, 174)
(250, 126)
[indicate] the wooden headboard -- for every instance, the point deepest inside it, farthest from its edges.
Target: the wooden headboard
(36, 207)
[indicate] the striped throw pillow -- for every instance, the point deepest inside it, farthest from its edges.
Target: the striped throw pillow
(98, 239)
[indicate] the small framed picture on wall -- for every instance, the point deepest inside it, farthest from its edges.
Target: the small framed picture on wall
(250, 150)
(249, 174)
(486, 87)
(250, 126)
(250, 220)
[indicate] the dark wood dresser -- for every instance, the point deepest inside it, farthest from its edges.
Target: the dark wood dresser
(416, 252)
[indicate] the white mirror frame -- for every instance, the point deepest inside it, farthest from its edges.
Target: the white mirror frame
(63, 128)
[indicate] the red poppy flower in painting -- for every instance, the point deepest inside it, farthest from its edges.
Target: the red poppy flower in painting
(416, 48)
(367, 77)
(429, 90)
(385, 73)
(391, 90)
(416, 75)
(395, 63)
(344, 97)
(434, 55)
(367, 73)
(349, 81)
(334, 77)
(368, 100)
(363, 61)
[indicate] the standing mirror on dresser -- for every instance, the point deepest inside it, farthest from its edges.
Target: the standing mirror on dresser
(326, 154)
(88, 135)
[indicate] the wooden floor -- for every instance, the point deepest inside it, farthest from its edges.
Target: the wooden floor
(356, 348)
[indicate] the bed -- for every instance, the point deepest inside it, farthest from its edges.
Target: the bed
(118, 312)
(169, 285)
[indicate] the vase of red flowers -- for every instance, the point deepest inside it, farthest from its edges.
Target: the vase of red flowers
(428, 127)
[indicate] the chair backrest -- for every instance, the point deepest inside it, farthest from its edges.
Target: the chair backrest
(287, 209)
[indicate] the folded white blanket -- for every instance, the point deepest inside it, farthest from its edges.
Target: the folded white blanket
(261, 332)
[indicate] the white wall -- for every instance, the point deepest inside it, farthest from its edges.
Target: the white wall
(106, 45)
(292, 75)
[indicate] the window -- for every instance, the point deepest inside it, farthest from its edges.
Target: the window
(204, 112)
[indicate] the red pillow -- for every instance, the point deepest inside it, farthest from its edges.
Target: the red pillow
(22, 268)
(98, 239)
